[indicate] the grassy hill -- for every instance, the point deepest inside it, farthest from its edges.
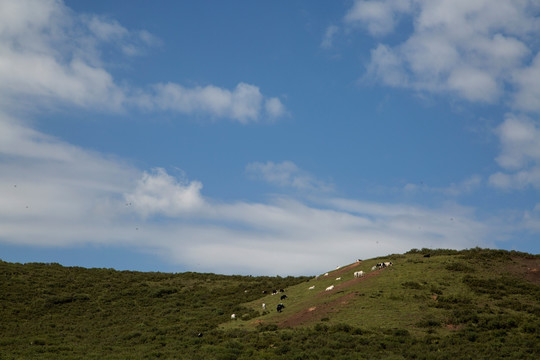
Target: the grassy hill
(475, 303)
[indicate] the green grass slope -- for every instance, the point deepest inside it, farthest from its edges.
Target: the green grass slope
(55, 312)
(444, 291)
(476, 303)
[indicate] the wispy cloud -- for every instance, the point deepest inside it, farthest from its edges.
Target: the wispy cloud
(57, 194)
(286, 174)
(329, 35)
(379, 17)
(455, 189)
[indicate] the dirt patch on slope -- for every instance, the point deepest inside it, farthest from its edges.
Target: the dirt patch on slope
(316, 313)
(320, 311)
(348, 283)
(529, 268)
(343, 270)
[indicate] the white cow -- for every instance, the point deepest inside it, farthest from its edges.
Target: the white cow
(331, 287)
(358, 274)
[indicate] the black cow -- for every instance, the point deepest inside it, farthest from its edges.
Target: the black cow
(280, 307)
(283, 297)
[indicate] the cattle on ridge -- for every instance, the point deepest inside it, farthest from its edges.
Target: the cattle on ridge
(383, 265)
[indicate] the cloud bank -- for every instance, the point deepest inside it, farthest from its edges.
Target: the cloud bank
(57, 194)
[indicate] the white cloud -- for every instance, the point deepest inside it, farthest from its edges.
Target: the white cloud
(473, 84)
(55, 193)
(520, 141)
(274, 108)
(33, 62)
(527, 81)
(51, 56)
(159, 193)
(520, 153)
(286, 174)
(243, 104)
(531, 219)
(517, 180)
(387, 66)
(476, 50)
(378, 16)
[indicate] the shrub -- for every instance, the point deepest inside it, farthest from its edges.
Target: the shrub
(412, 285)
(341, 328)
(486, 254)
(458, 266)
(428, 323)
(267, 327)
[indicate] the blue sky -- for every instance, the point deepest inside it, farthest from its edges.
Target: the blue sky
(266, 137)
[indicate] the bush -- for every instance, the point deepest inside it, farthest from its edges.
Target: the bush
(428, 323)
(341, 328)
(486, 254)
(458, 266)
(412, 285)
(267, 327)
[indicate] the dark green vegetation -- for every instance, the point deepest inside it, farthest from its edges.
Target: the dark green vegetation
(451, 305)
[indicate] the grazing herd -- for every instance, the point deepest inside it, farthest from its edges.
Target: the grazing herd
(356, 274)
(382, 265)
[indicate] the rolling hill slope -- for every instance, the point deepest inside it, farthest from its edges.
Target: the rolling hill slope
(423, 289)
(475, 303)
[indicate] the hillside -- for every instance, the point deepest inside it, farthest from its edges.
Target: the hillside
(430, 304)
(434, 288)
